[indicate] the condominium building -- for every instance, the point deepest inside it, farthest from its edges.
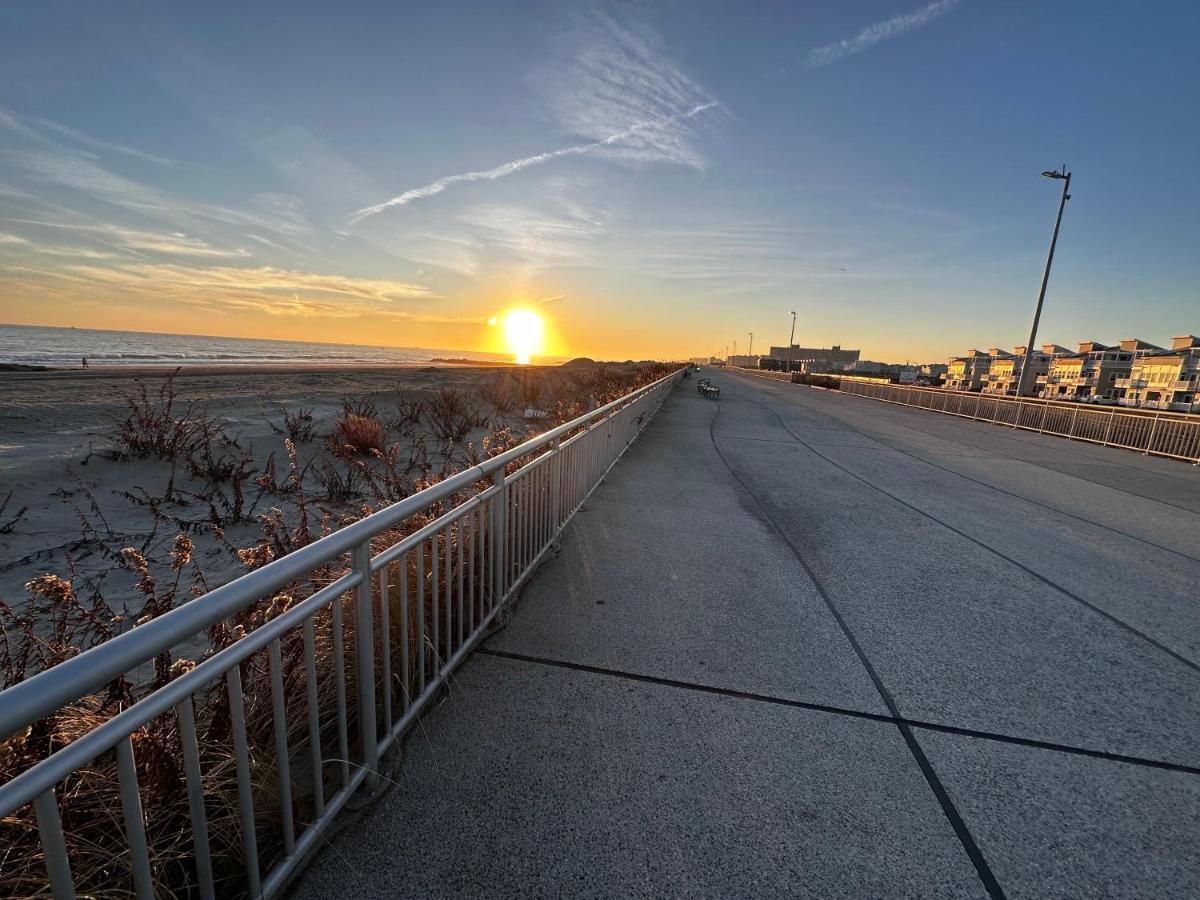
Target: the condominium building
(1090, 374)
(1165, 379)
(966, 373)
(1133, 373)
(1004, 375)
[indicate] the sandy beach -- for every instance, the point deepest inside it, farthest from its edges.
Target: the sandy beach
(82, 496)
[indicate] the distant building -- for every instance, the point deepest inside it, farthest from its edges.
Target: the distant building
(1004, 376)
(1133, 372)
(1090, 374)
(966, 373)
(745, 362)
(905, 374)
(814, 359)
(1165, 379)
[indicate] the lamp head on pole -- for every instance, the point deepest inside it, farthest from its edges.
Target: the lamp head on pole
(1050, 173)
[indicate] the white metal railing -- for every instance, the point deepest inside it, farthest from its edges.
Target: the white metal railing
(1176, 435)
(420, 583)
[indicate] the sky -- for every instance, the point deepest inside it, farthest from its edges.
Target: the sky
(653, 179)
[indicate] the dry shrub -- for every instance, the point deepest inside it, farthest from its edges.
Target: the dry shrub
(498, 394)
(7, 525)
(409, 413)
(298, 426)
(451, 416)
(356, 434)
(340, 484)
(360, 406)
(155, 428)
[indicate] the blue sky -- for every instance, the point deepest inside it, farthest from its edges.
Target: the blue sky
(654, 178)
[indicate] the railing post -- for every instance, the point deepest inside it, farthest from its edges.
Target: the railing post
(1108, 431)
(496, 540)
(1074, 416)
(555, 490)
(1150, 439)
(54, 846)
(364, 645)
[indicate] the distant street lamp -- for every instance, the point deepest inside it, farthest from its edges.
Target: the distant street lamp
(750, 352)
(791, 338)
(1023, 386)
(735, 348)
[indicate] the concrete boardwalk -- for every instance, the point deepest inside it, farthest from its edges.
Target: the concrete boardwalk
(810, 644)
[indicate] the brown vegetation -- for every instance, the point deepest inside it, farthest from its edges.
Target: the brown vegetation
(369, 464)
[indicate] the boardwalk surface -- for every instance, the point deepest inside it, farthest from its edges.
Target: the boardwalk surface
(810, 644)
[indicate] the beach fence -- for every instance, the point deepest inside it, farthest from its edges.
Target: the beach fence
(1159, 433)
(392, 617)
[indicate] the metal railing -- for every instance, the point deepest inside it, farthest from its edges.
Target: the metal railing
(410, 589)
(1176, 435)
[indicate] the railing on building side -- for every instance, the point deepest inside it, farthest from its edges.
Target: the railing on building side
(1158, 433)
(408, 629)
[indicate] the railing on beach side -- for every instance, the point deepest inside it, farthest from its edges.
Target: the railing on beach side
(393, 628)
(1176, 435)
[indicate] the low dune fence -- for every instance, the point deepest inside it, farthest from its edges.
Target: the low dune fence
(269, 735)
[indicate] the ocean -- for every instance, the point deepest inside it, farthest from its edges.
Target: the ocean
(36, 345)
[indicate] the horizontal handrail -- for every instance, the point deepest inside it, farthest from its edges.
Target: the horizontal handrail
(40, 695)
(80, 752)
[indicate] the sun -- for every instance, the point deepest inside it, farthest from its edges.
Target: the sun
(523, 333)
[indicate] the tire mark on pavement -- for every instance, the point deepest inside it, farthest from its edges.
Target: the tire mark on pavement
(1087, 604)
(969, 844)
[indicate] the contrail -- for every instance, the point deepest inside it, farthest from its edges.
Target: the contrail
(880, 31)
(516, 165)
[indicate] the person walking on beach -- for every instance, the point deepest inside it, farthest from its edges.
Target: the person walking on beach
(85, 365)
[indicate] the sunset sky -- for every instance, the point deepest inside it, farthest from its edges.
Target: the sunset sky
(654, 179)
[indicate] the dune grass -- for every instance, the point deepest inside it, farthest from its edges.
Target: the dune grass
(64, 615)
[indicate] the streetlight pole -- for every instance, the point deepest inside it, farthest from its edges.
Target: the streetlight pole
(750, 351)
(735, 348)
(1023, 386)
(791, 338)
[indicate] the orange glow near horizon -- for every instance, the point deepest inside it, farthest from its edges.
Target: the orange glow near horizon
(523, 331)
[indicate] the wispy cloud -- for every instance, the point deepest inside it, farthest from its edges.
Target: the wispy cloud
(741, 257)
(533, 237)
(45, 152)
(86, 140)
(436, 187)
(610, 76)
(139, 241)
(879, 32)
(613, 84)
(224, 289)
